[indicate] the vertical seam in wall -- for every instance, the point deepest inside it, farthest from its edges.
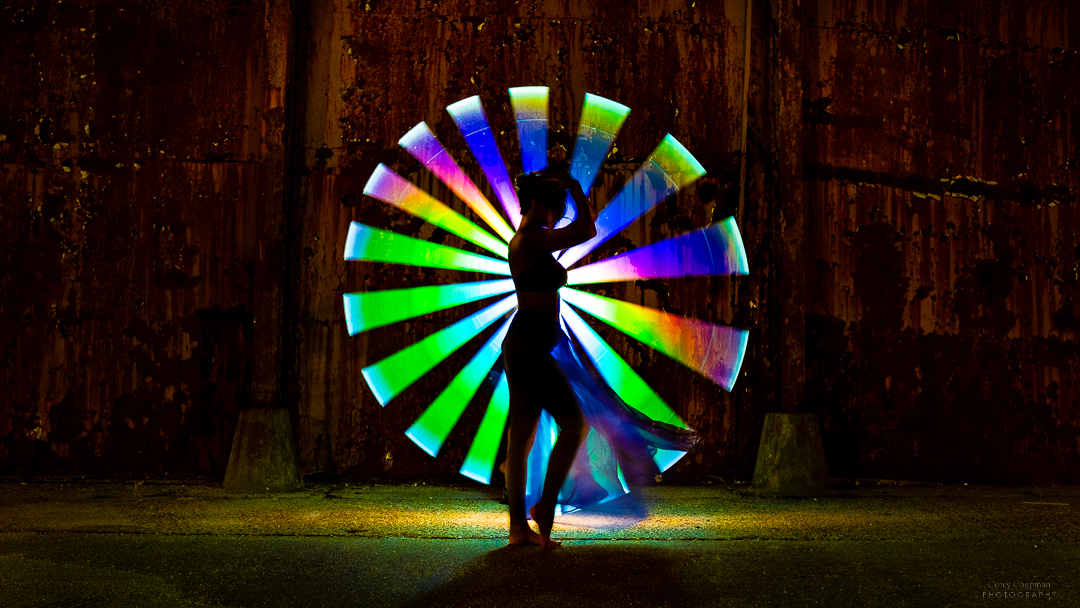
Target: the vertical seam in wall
(289, 205)
(745, 103)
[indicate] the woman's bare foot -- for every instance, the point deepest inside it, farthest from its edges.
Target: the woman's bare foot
(519, 536)
(545, 519)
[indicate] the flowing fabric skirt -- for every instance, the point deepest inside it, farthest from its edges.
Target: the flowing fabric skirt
(622, 444)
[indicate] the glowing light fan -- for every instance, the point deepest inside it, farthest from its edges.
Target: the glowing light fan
(716, 351)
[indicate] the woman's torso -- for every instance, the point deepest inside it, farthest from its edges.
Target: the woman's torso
(537, 277)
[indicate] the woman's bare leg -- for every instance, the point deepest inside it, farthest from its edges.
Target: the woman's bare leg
(518, 441)
(572, 431)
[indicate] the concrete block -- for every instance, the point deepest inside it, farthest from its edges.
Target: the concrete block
(790, 460)
(262, 458)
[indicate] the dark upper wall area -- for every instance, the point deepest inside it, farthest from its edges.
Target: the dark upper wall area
(909, 217)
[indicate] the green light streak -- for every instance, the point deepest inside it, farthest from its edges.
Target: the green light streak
(389, 377)
(676, 162)
(618, 373)
(367, 310)
(366, 243)
(433, 426)
(604, 115)
(480, 461)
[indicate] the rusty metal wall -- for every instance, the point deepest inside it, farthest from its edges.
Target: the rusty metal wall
(140, 143)
(941, 175)
(909, 220)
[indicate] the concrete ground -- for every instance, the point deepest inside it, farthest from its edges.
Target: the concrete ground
(174, 544)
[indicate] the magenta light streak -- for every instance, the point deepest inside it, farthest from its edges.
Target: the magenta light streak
(426, 148)
(469, 116)
(713, 250)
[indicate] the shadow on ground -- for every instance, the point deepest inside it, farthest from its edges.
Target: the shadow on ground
(581, 573)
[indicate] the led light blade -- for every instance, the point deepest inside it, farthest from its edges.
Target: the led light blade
(389, 377)
(715, 249)
(433, 426)
(480, 461)
(531, 111)
(669, 168)
(469, 116)
(618, 373)
(664, 459)
(367, 310)
(716, 351)
(366, 243)
(426, 148)
(601, 120)
(391, 188)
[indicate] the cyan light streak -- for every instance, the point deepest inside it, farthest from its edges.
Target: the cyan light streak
(391, 188)
(366, 243)
(426, 148)
(618, 373)
(433, 426)
(469, 116)
(712, 250)
(664, 459)
(716, 351)
(669, 168)
(531, 111)
(480, 461)
(370, 309)
(389, 377)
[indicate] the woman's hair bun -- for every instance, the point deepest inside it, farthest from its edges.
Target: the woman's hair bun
(538, 185)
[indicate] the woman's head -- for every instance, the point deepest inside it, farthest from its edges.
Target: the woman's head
(541, 188)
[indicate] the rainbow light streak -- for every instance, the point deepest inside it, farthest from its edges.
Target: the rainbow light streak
(480, 461)
(433, 426)
(531, 110)
(469, 116)
(716, 351)
(618, 373)
(391, 188)
(714, 249)
(371, 309)
(425, 147)
(366, 243)
(389, 377)
(669, 168)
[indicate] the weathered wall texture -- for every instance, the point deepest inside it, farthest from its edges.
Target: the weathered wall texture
(141, 147)
(941, 178)
(909, 220)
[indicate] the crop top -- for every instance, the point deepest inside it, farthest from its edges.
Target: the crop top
(546, 274)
